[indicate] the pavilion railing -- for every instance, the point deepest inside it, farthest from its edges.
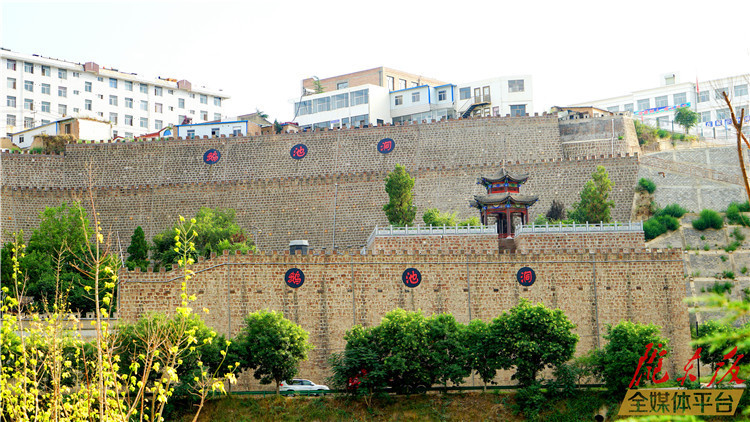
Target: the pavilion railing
(631, 226)
(421, 230)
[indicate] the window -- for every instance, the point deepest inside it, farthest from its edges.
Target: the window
(87, 87)
(171, 108)
(128, 102)
(45, 107)
(217, 101)
(46, 71)
(662, 101)
(76, 110)
(644, 104)
(128, 135)
(62, 73)
(705, 116)
(157, 107)
(45, 122)
(11, 101)
(204, 99)
(342, 85)
(28, 86)
(62, 91)
(399, 99)
(76, 74)
(361, 120)
(28, 104)
(391, 83)
(237, 132)
(87, 105)
(204, 115)
(613, 109)
(340, 101)
(180, 103)
(703, 97)
(191, 133)
(442, 95)
(192, 95)
(415, 97)
(740, 90)
(11, 83)
(516, 85)
(680, 98)
(28, 67)
(76, 92)
(128, 120)
(518, 110)
(217, 116)
(158, 91)
(100, 114)
(170, 91)
(28, 122)
(11, 120)
(628, 107)
(192, 111)
(10, 64)
(112, 83)
(414, 84)
(402, 84)
(322, 104)
(181, 119)
(723, 114)
(62, 109)
(717, 93)
(143, 88)
(113, 100)
(214, 131)
(144, 122)
(128, 85)
(359, 97)
(158, 124)
(144, 105)
(464, 93)
(99, 79)
(303, 107)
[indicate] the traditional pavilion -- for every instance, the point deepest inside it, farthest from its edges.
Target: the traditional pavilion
(503, 202)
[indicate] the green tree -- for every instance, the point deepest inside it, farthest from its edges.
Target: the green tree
(449, 352)
(686, 118)
(714, 338)
(482, 358)
(398, 185)
(137, 251)
(617, 362)
(216, 232)
(595, 204)
(277, 127)
(272, 346)
(532, 337)
(434, 217)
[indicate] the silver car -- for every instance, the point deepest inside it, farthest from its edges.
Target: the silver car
(302, 385)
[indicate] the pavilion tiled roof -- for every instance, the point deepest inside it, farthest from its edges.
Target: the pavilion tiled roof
(502, 198)
(502, 175)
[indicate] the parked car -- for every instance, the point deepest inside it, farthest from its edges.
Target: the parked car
(302, 385)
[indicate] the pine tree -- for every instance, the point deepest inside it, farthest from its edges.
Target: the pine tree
(595, 204)
(138, 250)
(399, 209)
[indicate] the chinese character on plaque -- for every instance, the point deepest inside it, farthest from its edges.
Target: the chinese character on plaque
(211, 156)
(298, 151)
(526, 276)
(411, 277)
(386, 145)
(294, 278)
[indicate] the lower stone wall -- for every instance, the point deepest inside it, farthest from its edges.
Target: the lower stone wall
(481, 243)
(340, 291)
(560, 241)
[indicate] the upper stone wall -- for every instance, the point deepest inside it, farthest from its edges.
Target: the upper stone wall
(447, 143)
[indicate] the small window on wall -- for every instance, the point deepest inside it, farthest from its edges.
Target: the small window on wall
(415, 97)
(442, 95)
(399, 99)
(464, 93)
(191, 133)
(342, 85)
(516, 85)
(391, 83)
(402, 84)
(215, 132)
(518, 110)
(705, 116)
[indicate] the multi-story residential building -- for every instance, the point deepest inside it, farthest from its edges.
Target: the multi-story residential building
(657, 106)
(382, 95)
(40, 90)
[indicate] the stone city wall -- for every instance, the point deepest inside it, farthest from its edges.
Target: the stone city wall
(561, 241)
(593, 288)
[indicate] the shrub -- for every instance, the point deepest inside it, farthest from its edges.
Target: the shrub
(653, 228)
(744, 270)
(674, 210)
(646, 185)
(728, 274)
(706, 247)
(471, 221)
(735, 216)
(617, 361)
(669, 222)
(556, 211)
(737, 233)
(435, 217)
(708, 219)
(662, 133)
(732, 247)
(678, 136)
(530, 400)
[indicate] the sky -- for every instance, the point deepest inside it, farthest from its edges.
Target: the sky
(258, 52)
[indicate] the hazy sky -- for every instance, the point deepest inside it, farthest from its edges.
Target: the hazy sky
(258, 52)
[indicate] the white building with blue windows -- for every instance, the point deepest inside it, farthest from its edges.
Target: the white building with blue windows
(375, 105)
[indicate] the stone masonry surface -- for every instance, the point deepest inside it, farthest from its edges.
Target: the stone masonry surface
(592, 287)
(278, 199)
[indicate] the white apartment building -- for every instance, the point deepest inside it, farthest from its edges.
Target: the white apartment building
(351, 107)
(490, 97)
(657, 106)
(39, 90)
